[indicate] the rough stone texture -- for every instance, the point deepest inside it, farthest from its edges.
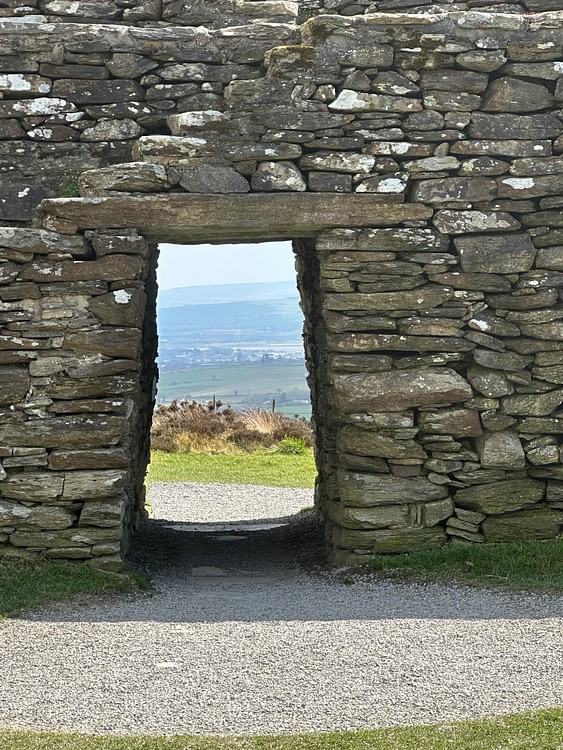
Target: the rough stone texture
(542, 523)
(413, 151)
(501, 450)
(365, 490)
(395, 391)
(512, 253)
(501, 497)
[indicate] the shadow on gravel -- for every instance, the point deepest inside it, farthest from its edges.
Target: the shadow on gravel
(276, 575)
(283, 547)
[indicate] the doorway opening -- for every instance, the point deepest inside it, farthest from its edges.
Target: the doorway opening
(232, 468)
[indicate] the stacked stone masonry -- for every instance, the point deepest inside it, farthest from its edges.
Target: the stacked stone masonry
(433, 335)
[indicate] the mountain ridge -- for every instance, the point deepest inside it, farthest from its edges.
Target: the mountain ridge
(214, 294)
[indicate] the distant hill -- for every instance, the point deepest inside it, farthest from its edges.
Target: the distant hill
(240, 342)
(224, 293)
(203, 324)
(243, 323)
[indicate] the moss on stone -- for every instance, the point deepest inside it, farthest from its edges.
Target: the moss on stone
(320, 28)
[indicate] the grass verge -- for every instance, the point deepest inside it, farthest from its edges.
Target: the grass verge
(267, 469)
(526, 566)
(540, 730)
(26, 585)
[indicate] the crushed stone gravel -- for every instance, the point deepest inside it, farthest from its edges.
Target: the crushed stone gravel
(195, 502)
(239, 638)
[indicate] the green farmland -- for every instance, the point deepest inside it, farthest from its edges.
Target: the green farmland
(252, 385)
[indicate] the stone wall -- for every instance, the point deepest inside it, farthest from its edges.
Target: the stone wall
(222, 13)
(73, 395)
(433, 336)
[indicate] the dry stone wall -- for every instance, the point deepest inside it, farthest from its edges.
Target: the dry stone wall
(433, 337)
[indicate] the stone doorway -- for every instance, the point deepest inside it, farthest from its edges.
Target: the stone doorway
(125, 231)
(122, 234)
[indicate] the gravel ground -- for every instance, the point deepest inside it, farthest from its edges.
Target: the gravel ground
(241, 639)
(202, 503)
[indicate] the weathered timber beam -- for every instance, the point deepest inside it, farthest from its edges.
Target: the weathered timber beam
(196, 218)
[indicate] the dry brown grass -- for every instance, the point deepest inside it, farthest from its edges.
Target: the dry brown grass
(264, 422)
(190, 427)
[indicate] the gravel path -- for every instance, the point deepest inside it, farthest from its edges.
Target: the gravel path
(201, 503)
(238, 639)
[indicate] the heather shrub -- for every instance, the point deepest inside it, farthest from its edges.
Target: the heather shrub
(191, 427)
(296, 428)
(173, 423)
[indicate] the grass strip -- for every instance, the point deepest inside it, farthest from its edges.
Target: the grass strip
(26, 585)
(540, 730)
(266, 469)
(532, 565)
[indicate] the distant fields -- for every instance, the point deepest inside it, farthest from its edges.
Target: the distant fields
(244, 385)
(243, 323)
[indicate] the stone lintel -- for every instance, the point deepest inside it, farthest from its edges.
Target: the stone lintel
(190, 219)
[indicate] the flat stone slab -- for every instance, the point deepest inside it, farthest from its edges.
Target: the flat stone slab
(192, 219)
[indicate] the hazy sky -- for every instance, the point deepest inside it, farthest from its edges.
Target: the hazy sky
(194, 265)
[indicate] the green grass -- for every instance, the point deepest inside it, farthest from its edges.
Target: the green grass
(268, 469)
(25, 585)
(540, 730)
(529, 565)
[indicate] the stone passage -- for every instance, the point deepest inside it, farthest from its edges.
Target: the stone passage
(415, 158)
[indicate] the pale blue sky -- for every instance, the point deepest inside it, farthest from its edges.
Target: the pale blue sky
(194, 265)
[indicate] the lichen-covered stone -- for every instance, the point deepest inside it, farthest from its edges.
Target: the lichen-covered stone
(122, 307)
(108, 458)
(213, 179)
(455, 422)
(32, 486)
(532, 404)
(14, 384)
(109, 268)
(507, 126)
(338, 161)
(463, 222)
(380, 517)
(513, 253)
(65, 432)
(105, 514)
(136, 177)
(455, 189)
(491, 383)
(501, 497)
(542, 523)
(97, 92)
(41, 242)
(360, 441)
(514, 95)
(501, 450)
(49, 517)
(355, 101)
(396, 391)
(501, 360)
(395, 542)
(367, 490)
(278, 176)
